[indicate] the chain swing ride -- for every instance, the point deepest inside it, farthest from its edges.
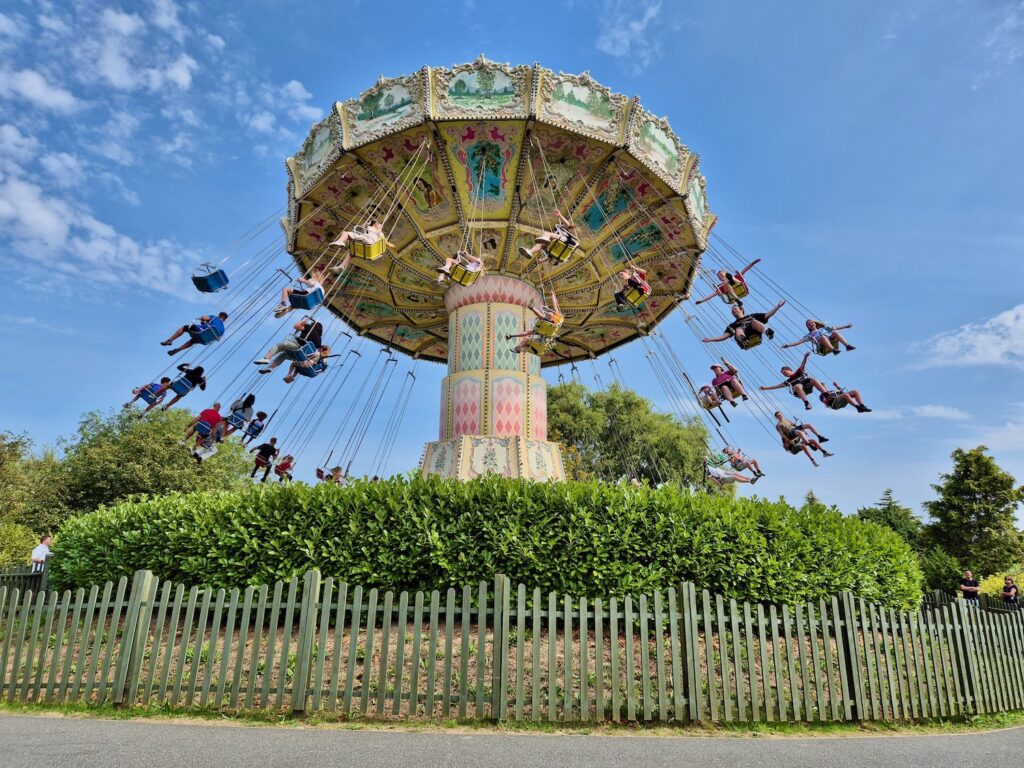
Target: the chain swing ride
(499, 219)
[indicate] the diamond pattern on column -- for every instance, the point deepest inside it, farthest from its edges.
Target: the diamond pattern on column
(471, 340)
(466, 408)
(507, 406)
(538, 398)
(503, 323)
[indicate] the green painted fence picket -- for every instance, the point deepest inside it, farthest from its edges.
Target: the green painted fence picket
(503, 651)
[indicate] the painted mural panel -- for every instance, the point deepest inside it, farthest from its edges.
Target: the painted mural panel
(580, 103)
(484, 158)
(490, 455)
(388, 107)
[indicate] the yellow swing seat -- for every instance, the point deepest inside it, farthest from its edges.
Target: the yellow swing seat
(548, 328)
(463, 276)
(740, 289)
(367, 251)
(635, 296)
(539, 347)
(563, 247)
(749, 342)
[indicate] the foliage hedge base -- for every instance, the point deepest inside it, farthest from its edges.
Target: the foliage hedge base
(586, 539)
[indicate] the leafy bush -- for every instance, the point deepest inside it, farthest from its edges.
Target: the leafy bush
(993, 585)
(941, 570)
(16, 544)
(577, 538)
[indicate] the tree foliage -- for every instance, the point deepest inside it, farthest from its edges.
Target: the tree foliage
(974, 515)
(893, 515)
(615, 434)
(16, 543)
(941, 570)
(593, 539)
(110, 458)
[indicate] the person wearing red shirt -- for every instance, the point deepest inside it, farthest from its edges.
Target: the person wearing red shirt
(204, 424)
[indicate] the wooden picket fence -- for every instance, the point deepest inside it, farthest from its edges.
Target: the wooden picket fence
(491, 652)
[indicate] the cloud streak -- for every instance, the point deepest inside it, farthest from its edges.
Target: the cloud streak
(996, 341)
(626, 32)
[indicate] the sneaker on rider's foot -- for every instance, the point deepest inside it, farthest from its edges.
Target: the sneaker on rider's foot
(769, 333)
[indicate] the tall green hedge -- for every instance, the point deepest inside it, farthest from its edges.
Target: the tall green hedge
(577, 538)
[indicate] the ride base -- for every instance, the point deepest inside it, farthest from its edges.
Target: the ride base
(494, 400)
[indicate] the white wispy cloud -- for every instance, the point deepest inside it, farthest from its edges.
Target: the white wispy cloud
(1006, 436)
(996, 341)
(946, 412)
(30, 85)
(626, 32)
(1004, 45)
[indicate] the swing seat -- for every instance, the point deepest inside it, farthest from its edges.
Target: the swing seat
(561, 250)
(203, 333)
(461, 274)
(182, 386)
(539, 347)
(749, 342)
(636, 296)
(740, 289)
(837, 404)
(211, 280)
(204, 428)
(206, 451)
(707, 403)
(303, 353)
(718, 459)
(254, 429)
(308, 300)
(367, 251)
(313, 371)
(236, 420)
(796, 445)
(548, 328)
(149, 394)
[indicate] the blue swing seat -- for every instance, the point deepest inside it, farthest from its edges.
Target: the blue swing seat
(254, 429)
(236, 420)
(303, 353)
(315, 370)
(203, 428)
(149, 394)
(182, 386)
(203, 333)
(308, 300)
(210, 281)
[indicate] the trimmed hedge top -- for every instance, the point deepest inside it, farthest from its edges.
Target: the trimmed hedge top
(586, 539)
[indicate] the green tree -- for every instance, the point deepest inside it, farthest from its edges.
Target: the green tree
(31, 487)
(485, 80)
(117, 455)
(459, 87)
(16, 543)
(616, 434)
(890, 513)
(941, 570)
(974, 514)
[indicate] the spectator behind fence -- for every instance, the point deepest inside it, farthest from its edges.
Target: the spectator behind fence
(40, 553)
(969, 586)
(1010, 594)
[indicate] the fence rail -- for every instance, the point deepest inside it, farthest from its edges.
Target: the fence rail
(491, 651)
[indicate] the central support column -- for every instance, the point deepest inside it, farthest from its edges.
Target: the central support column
(493, 401)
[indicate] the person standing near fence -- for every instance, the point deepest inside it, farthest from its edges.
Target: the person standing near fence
(40, 553)
(1010, 597)
(969, 586)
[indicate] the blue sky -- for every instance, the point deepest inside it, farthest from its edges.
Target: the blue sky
(868, 152)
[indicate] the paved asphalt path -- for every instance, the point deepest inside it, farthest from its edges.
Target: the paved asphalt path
(53, 742)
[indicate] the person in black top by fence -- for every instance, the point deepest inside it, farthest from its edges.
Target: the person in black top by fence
(969, 586)
(1010, 594)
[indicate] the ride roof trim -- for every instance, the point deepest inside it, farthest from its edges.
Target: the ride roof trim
(633, 188)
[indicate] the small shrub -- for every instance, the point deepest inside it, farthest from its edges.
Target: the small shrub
(16, 544)
(993, 585)
(576, 538)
